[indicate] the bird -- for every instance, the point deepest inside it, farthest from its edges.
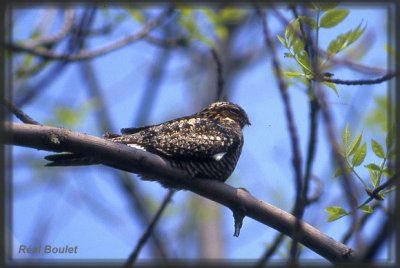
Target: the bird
(206, 144)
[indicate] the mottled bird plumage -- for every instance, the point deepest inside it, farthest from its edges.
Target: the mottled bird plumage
(206, 144)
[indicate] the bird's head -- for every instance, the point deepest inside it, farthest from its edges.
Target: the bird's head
(226, 111)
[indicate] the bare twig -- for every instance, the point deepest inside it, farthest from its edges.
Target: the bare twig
(347, 183)
(19, 113)
(220, 79)
(51, 39)
(384, 78)
(153, 166)
(297, 162)
(74, 44)
(167, 42)
(271, 250)
(300, 206)
(145, 236)
(356, 66)
(88, 54)
(362, 221)
(125, 182)
(386, 228)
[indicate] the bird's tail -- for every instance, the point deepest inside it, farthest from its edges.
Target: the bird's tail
(69, 159)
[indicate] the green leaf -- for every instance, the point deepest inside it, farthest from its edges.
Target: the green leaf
(232, 14)
(374, 177)
(210, 15)
(221, 32)
(332, 86)
(67, 116)
(336, 44)
(389, 139)
(338, 172)
(136, 14)
(390, 50)
(359, 155)
(377, 149)
(346, 136)
(283, 41)
(298, 46)
(332, 17)
(354, 145)
(387, 172)
(355, 34)
(292, 74)
(328, 5)
(304, 61)
(366, 208)
(309, 21)
(321, 5)
(292, 32)
(373, 166)
(288, 55)
(335, 213)
(344, 40)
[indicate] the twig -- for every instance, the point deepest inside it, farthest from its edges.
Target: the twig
(318, 190)
(153, 166)
(125, 182)
(361, 68)
(270, 251)
(384, 78)
(362, 221)
(220, 79)
(145, 236)
(347, 183)
(285, 98)
(88, 54)
(51, 39)
(19, 113)
(167, 42)
(74, 44)
(386, 184)
(385, 229)
(300, 206)
(297, 162)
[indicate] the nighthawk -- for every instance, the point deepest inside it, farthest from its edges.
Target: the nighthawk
(206, 144)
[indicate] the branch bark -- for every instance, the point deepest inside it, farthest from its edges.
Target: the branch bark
(129, 159)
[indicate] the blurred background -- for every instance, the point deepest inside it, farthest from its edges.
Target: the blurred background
(167, 73)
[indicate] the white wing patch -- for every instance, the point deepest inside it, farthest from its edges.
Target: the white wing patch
(136, 146)
(219, 156)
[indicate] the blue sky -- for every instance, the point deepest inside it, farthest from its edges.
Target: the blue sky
(84, 206)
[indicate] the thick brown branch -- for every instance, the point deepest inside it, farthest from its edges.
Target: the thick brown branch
(132, 160)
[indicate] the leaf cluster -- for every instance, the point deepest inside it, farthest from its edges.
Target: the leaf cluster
(354, 151)
(325, 16)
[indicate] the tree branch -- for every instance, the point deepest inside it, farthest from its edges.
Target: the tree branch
(88, 54)
(51, 39)
(149, 230)
(19, 113)
(220, 79)
(378, 80)
(152, 166)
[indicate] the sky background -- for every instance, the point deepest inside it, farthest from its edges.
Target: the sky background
(84, 206)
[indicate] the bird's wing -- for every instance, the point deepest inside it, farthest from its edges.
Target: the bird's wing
(187, 137)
